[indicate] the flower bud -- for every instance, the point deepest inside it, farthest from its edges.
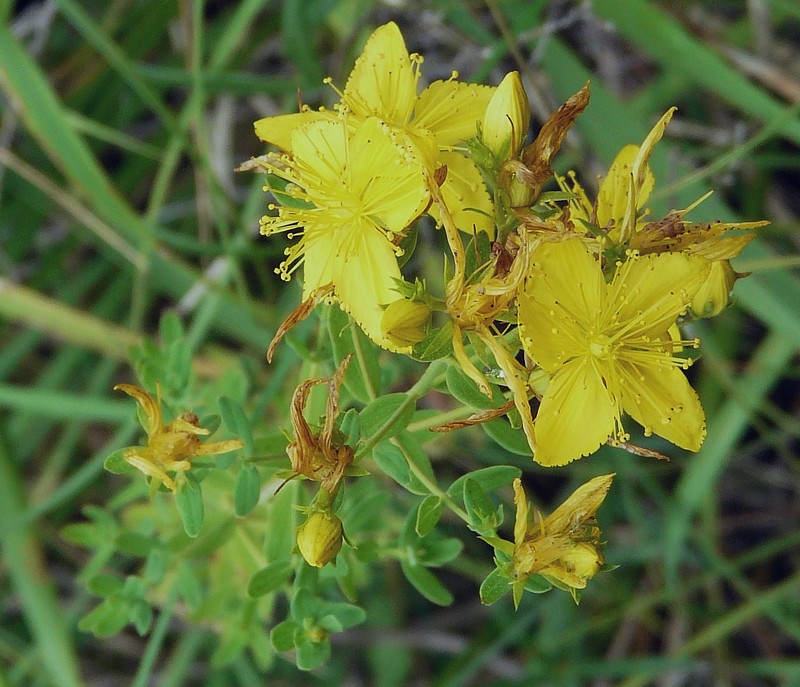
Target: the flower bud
(713, 296)
(320, 538)
(405, 322)
(507, 118)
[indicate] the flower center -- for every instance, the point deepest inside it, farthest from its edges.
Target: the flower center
(600, 346)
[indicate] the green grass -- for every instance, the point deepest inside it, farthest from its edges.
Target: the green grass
(119, 127)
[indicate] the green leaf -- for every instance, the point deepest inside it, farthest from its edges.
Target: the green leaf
(116, 464)
(496, 585)
(189, 501)
(351, 427)
(537, 584)
(190, 590)
(390, 459)
(269, 579)
(427, 584)
(104, 584)
(480, 509)
(437, 344)
(236, 421)
(86, 534)
(341, 616)
(304, 605)
(106, 619)
(156, 566)
(311, 654)
(136, 544)
(140, 616)
(282, 635)
(247, 490)
(507, 437)
(434, 551)
(491, 478)
(466, 391)
(428, 514)
(363, 377)
(416, 455)
(389, 415)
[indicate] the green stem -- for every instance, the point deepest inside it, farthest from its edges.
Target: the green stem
(362, 363)
(430, 378)
(155, 641)
(429, 484)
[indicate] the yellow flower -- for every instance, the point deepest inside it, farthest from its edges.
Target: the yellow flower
(565, 547)
(383, 84)
(171, 447)
(607, 348)
(361, 190)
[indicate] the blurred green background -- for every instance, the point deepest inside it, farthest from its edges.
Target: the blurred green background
(120, 125)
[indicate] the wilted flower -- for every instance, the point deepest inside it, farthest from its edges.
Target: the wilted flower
(171, 447)
(321, 456)
(565, 547)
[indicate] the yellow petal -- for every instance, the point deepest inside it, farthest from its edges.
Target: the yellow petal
(278, 130)
(150, 407)
(320, 152)
(364, 281)
(387, 175)
(320, 253)
(521, 504)
(451, 110)
(651, 291)
(576, 416)
(661, 400)
(465, 195)
(383, 82)
(581, 505)
(612, 198)
(563, 294)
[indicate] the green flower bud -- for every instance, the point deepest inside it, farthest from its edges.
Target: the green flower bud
(320, 538)
(507, 118)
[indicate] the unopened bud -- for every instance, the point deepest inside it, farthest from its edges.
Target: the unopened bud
(405, 322)
(713, 296)
(507, 118)
(583, 560)
(320, 538)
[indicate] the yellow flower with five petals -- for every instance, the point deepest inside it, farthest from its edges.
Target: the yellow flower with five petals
(358, 191)
(608, 349)
(383, 84)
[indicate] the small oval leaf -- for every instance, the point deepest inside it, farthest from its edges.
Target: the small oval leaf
(247, 490)
(189, 501)
(428, 514)
(269, 579)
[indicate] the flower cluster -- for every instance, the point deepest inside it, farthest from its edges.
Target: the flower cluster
(573, 307)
